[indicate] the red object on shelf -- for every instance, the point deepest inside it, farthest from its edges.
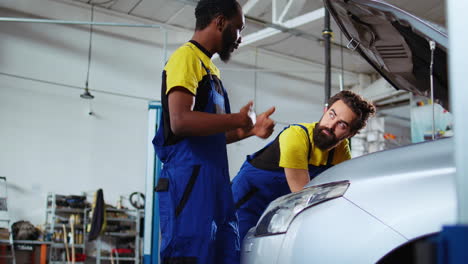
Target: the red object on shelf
(122, 250)
(80, 257)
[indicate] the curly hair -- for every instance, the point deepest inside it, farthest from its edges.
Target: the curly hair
(360, 106)
(206, 10)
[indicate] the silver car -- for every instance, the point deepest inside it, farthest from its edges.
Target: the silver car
(375, 208)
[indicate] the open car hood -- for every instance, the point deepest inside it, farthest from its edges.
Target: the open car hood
(396, 44)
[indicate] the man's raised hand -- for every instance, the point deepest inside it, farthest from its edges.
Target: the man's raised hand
(265, 125)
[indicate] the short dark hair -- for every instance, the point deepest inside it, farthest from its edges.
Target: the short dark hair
(206, 10)
(360, 106)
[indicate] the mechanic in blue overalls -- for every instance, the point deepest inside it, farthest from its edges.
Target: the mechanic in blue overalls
(298, 154)
(197, 216)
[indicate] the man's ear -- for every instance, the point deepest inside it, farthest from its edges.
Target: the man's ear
(220, 22)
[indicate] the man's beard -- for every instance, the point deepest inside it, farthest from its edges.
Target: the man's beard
(228, 43)
(323, 141)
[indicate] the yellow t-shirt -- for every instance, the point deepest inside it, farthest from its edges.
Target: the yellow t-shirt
(184, 68)
(294, 148)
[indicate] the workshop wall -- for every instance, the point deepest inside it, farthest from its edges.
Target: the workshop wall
(49, 141)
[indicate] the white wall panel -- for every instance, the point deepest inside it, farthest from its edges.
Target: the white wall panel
(49, 142)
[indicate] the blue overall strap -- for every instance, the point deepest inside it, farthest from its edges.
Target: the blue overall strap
(209, 75)
(331, 153)
(308, 139)
(208, 72)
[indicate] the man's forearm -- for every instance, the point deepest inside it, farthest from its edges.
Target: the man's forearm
(297, 178)
(237, 134)
(186, 122)
(194, 123)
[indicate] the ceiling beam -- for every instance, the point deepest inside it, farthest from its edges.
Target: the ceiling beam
(276, 7)
(285, 11)
(249, 5)
(289, 24)
(305, 18)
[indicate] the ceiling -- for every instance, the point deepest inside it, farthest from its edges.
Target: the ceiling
(283, 36)
(293, 32)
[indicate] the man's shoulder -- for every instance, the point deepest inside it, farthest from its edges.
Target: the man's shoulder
(184, 59)
(295, 131)
(302, 128)
(184, 51)
(308, 126)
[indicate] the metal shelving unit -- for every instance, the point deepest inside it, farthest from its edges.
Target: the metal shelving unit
(5, 220)
(131, 219)
(54, 230)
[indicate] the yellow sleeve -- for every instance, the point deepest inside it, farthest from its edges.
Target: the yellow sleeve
(183, 69)
(342, 153)
(294, 148)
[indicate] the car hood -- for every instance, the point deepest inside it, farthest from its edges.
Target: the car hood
(406, 161)
(396, 44)
(402, 186)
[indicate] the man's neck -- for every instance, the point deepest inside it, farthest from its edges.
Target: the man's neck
(205, 39)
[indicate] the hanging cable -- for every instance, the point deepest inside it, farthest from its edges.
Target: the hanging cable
(90, 44)
(87, 94)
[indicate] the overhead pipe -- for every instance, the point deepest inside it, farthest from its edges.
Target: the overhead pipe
(70, 22)
(76, 87)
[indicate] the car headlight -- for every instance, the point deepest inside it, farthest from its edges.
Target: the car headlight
(280, 213)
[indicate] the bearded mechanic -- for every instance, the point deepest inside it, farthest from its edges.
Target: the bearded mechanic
(197, 216)
(299, 153)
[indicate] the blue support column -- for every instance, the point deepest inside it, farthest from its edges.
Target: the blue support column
(453, 244)
(154, 165)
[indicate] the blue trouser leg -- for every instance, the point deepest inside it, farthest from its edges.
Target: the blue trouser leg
(247, 216)
(227, 242)
(269, 184)
(195, 225)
